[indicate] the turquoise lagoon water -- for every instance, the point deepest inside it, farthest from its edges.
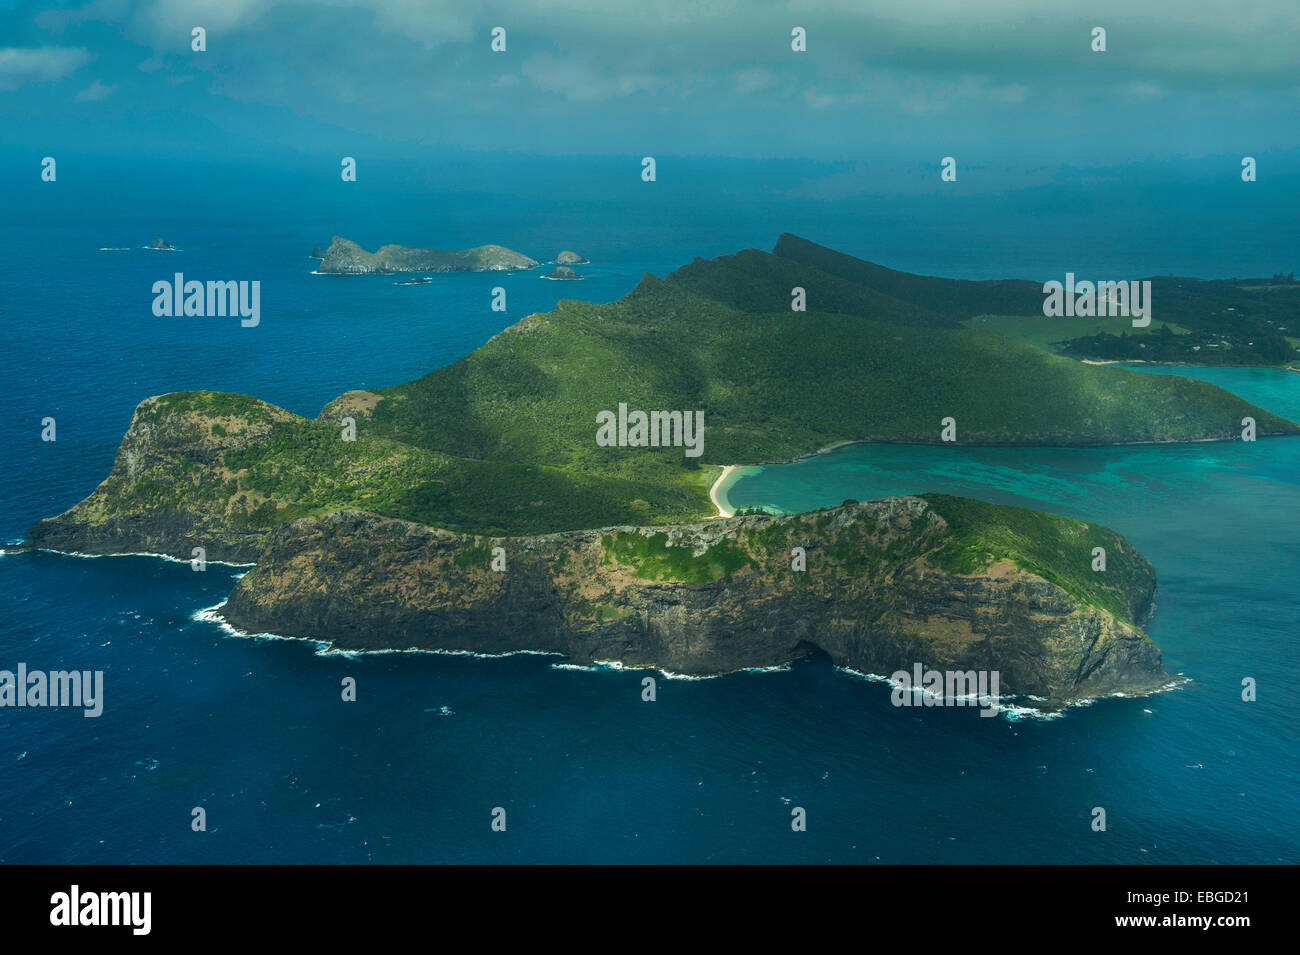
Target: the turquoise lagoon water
(1219, 521)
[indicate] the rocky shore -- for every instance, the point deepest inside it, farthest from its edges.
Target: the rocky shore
(700, 599)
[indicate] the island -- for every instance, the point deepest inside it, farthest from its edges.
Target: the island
(887, 583)
(345, 257)
(563, 273)
(159, 244)
(570, 258)
(616, 553)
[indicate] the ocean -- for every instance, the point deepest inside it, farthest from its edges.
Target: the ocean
(254, 731)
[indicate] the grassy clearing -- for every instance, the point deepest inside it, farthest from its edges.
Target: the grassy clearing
(1048, 333)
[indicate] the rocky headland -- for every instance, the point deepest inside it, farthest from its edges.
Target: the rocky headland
(882, 589)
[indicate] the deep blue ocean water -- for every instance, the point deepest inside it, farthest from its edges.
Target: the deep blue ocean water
(255, 732)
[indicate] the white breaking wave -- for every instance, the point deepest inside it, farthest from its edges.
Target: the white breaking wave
(1015, 711)
(139, 553)
(611, 665)
(326, 648)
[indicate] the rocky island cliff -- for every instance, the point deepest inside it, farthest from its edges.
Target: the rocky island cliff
(884, 584)
(345, 257)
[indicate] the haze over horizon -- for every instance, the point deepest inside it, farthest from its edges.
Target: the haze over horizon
(996, 83)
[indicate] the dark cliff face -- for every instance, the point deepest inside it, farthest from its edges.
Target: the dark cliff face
(699, 599)
(173, 534)
(170, 489)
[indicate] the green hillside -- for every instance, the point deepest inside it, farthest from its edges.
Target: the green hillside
(504, 440)
(1058, 549)
(777, 385)
(754, 281)
(1052, 334)
(1212, 322)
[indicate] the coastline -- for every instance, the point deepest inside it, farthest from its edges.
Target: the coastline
(1171, 364)
(1012, 711)
(723, 512)
(22, 547)
(1173, 442)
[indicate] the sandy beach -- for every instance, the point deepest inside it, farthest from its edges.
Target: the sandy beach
(713, 491)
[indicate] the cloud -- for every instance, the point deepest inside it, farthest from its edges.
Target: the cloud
(57, 21)
(1225, 41)
(95, 91)
(604, 69)
(818, 100)
(922, 95)
(577, 81)
(431, 22)
(1011, 93)
(427, 22)
(172, 20)
(39, 65)
(752, 81)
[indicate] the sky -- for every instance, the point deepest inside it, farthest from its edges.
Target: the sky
(988, 81)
